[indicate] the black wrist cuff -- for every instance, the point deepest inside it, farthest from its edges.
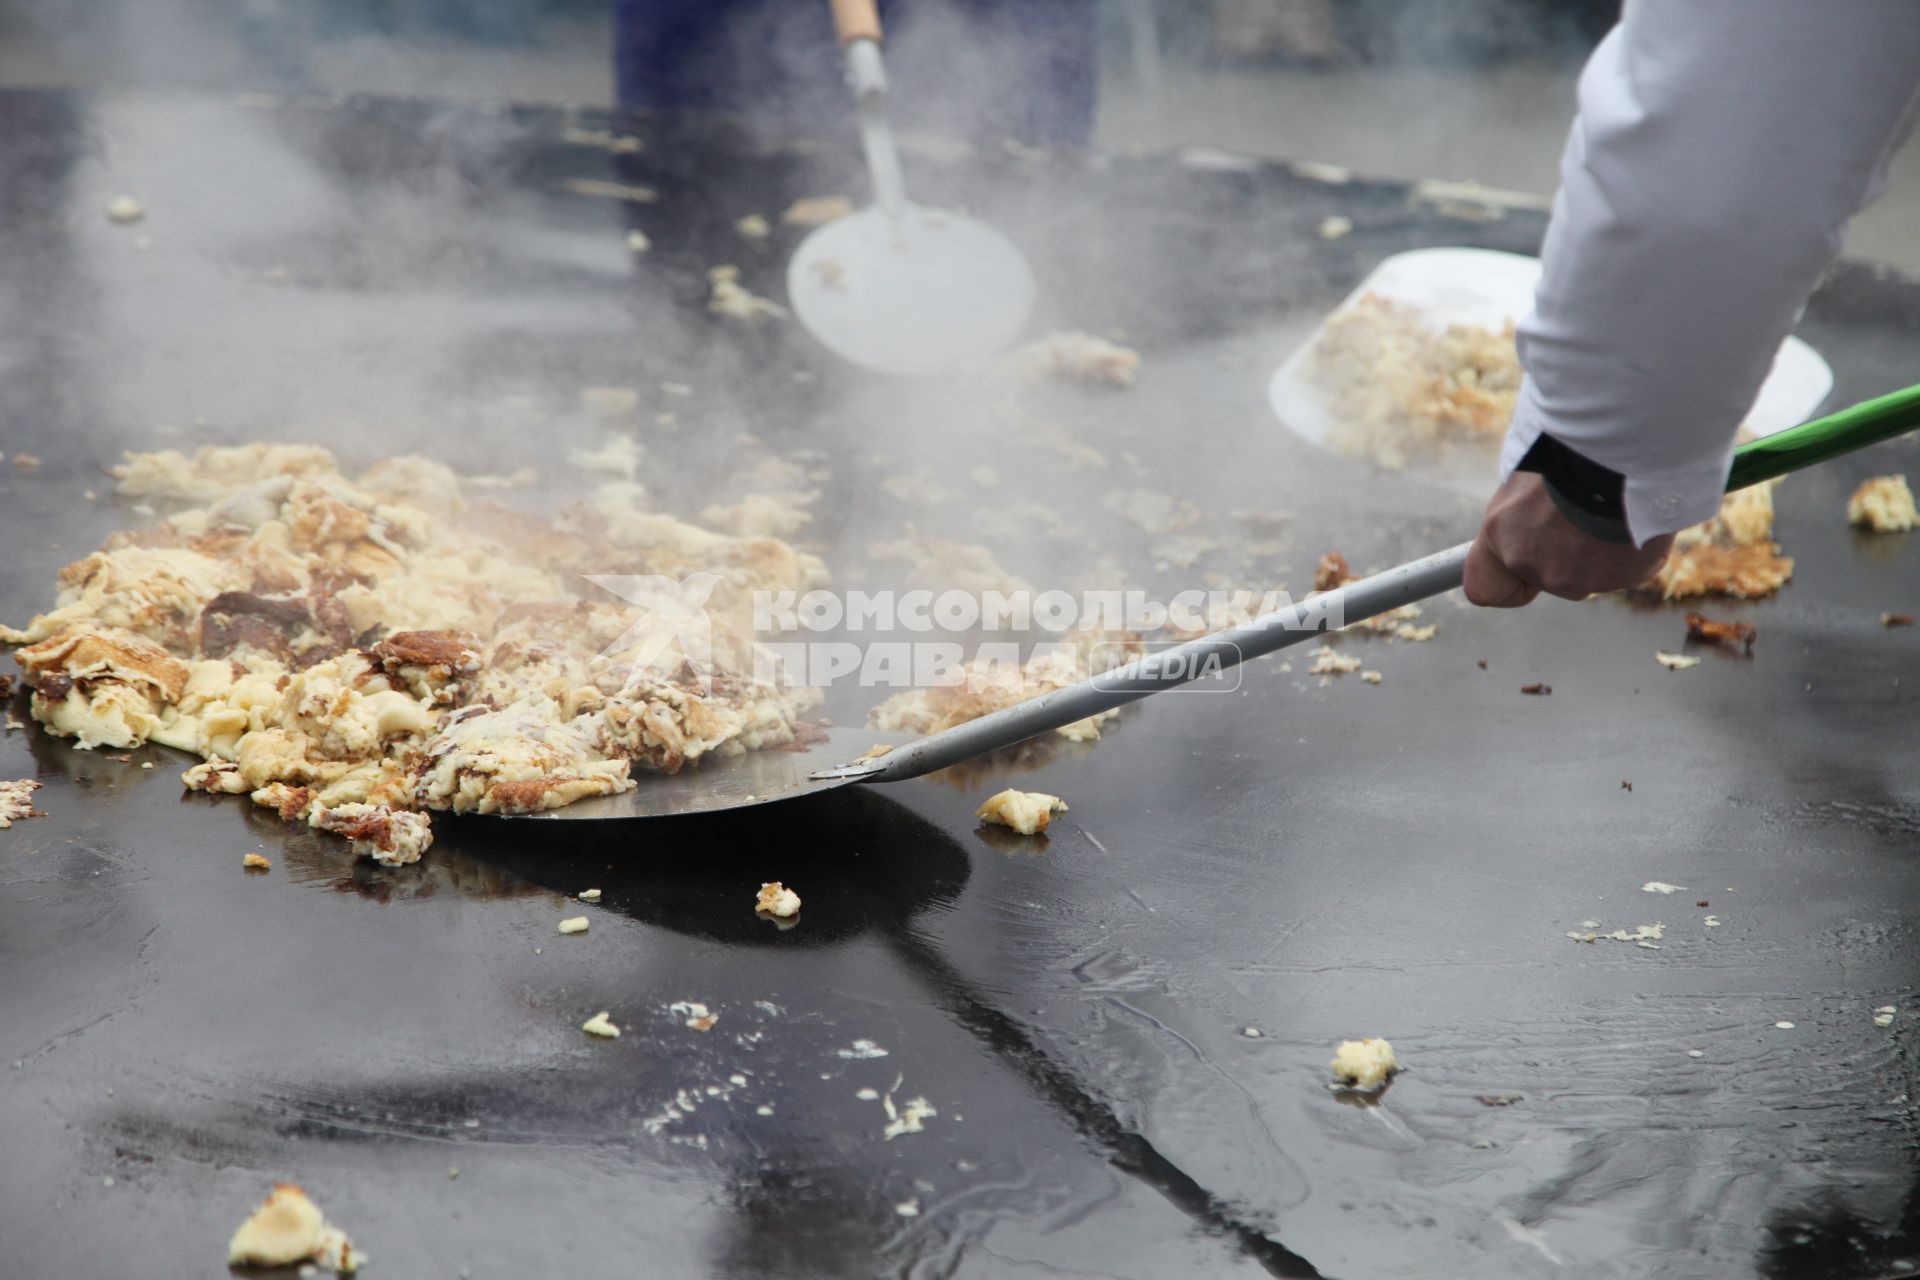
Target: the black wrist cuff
(1591, 496)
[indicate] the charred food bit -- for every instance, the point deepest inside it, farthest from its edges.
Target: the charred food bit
(1331, 572)
(1733, 635)
(1540, 690)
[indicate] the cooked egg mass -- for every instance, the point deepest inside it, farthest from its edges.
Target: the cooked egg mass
(1363, 1065)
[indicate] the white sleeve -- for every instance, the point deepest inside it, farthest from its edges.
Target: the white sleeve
(1720, 148)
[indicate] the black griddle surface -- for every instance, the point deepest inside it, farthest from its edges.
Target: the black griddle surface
(1314, 863)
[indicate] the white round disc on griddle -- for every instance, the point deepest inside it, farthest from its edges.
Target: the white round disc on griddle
(1486, 288)
(940, 292)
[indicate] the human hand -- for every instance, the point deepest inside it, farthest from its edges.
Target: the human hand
(1526, 546)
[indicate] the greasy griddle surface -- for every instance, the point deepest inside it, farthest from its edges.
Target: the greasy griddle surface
(1401, 860)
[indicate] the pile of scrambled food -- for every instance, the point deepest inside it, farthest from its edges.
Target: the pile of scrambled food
(1733, 554)
(1399, 387)
(987, 686)
(1402, 388)
(355, 652)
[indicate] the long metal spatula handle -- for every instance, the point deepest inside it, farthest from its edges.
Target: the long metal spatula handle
(1797, 448)
(1758, 460)
(857, 24)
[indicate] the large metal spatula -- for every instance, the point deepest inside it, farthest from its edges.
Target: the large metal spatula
(766, 776)
(895, 287)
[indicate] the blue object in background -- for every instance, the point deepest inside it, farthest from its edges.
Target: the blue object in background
(1023, 68)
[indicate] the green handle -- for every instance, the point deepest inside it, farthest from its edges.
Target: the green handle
(1866, 423)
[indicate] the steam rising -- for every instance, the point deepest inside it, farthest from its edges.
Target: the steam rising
(456, 278)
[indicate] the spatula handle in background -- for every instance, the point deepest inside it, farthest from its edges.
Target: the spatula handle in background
(1757, 460)
(856, 20)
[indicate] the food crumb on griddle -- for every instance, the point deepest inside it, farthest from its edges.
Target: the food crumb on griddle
(776, 900)
(589, 895)
(1335, 225)
(25, 463)
(125, 210)
(637, 241)
(697, 1015)
(1661, 886)
(909, 1118)
(1326, 662)
(600, 188)
(1883, 1016)
(812, 211)
(256, 862)
(1028, 812)
(1675, 661)
(574, 924)
(831, 274)
(609, 402)
(288, 1228)
(1644, 935)
(1883, 504)
(733, 299)
(16, 802)
(1481, 663)
(1079, 357)
(753, 226)
(1538, 690)
(1372, 677)
(1896, 619)
(1364, 1066)
(1498, 1099)
(1732, 635)
(1625, 785)
(601, 1025)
